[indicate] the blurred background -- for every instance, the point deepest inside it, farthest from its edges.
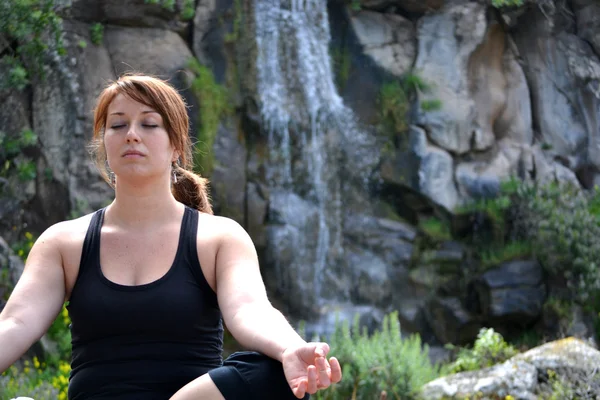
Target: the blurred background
(419, 177)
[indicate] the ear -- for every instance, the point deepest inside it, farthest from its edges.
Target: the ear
(175, 156)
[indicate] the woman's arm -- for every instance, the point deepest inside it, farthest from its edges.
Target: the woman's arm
(243, 300)
(35, 301)
(257, 325)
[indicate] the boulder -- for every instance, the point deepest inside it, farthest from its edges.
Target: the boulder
(450, 321)
(511, 293)
(388, 39)
(515, 378)
(435, 170)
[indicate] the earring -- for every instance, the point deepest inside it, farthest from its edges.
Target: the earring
(173, 173)
(111, 175)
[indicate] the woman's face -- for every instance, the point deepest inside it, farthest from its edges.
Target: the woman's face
(137, 144)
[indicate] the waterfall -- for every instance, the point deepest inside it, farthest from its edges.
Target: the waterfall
(308, 128)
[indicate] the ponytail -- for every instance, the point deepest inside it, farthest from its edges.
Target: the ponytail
(191, 190)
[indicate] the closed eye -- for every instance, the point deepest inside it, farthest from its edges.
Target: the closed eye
(150, 126)
(117, 126)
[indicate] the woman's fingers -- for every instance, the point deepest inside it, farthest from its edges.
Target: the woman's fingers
(312, 379)
(300, 391)
(336, 370)
(324, 370)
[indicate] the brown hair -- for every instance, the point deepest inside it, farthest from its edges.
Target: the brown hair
(190, 188)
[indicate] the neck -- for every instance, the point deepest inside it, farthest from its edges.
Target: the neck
(143, 206)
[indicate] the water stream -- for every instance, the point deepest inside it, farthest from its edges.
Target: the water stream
(309, 130)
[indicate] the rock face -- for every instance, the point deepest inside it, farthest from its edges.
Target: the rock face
(514, 292)
(517, 377)
(332, 201)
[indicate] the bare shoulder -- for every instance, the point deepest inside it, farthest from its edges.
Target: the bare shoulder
(221, 226)
(66, 232)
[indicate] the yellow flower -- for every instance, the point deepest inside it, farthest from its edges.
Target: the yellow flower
(36, 362)
(64, 367)
(28, 235)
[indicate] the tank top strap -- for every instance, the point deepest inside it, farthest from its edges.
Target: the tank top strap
(90, 254)
(190, 227)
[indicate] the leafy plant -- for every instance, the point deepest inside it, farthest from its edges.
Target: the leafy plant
(188, 10)
(561, 222)
(34, 28)
(396, 97)
(507, 3)
(36, 380)
(214, 105)
(13, 162)
(97, 33)
(394, 106)
(381, 362)
(489, 349)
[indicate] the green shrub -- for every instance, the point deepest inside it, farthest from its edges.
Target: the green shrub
(36, 380)
(214, 105)
(97, 33)
(561, 222)
(507, 3)
(36, 28)
(188, 10)
(489, 349)
(383, 361)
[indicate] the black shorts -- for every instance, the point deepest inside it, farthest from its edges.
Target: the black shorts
(248, 375)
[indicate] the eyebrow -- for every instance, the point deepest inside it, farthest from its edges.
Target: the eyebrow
(143, 112)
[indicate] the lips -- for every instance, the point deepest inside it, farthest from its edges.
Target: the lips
(133, 153)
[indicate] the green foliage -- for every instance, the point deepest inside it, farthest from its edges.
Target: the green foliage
(489, 349)
(431, 105)
(46, 379)
(237, 24)
(496, 255)
(12, 160)
(166, 4)
(381, 362)
(395, 99)
(214, 105)
(569, 384)
(34, 28)
(507, 3)
(188, 10)
(36, 380)
(97, 33)
(355, 5)
(394, 106)
(435, 229)
(342, 62)
(60, 333)
(561, 222)
(23, 246)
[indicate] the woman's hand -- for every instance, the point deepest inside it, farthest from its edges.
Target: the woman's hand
(307, 369)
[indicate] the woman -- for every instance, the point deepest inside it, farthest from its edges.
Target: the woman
(150, 277)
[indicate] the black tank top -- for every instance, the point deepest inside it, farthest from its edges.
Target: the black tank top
(147, 341)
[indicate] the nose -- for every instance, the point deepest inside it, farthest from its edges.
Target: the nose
(132, 135)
